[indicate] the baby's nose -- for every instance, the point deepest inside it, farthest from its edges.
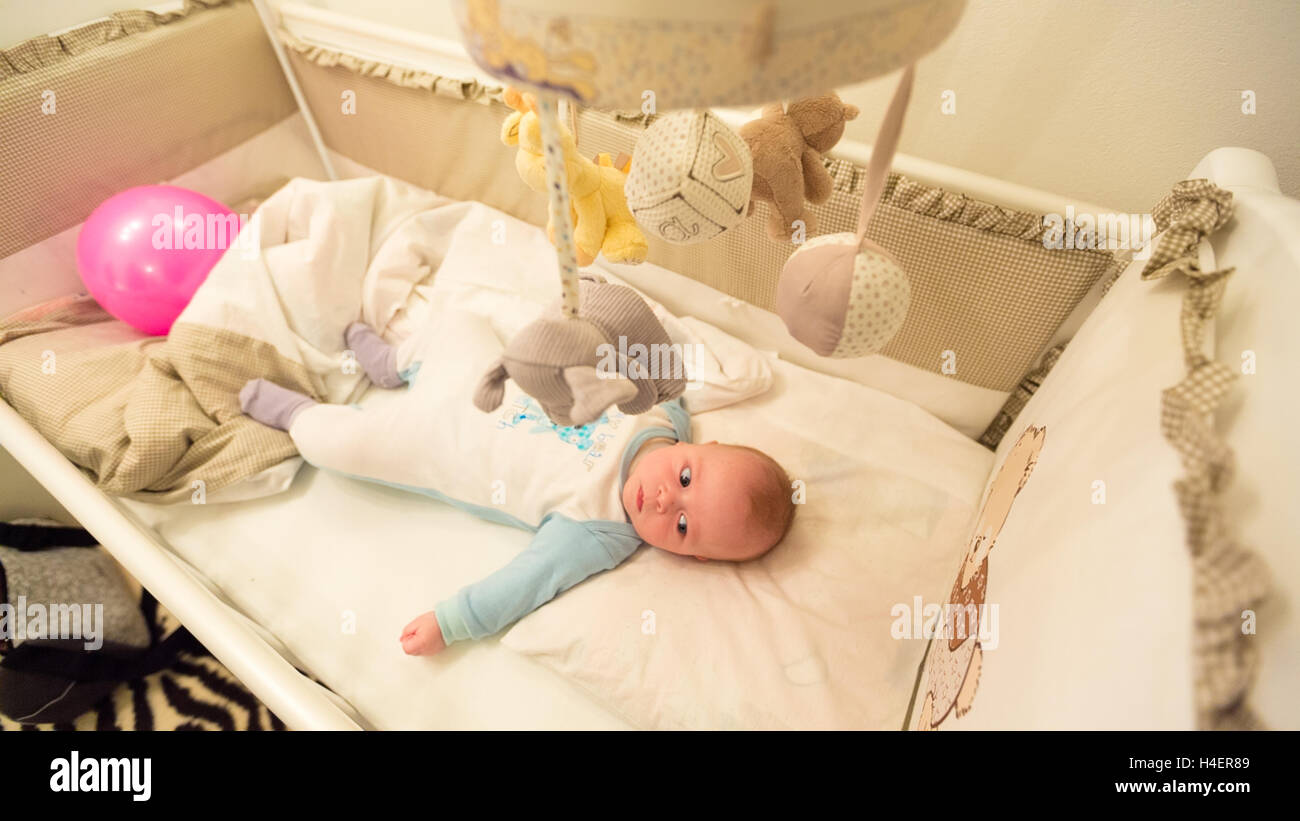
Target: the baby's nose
(664, 498)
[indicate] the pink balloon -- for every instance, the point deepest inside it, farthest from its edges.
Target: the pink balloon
(144, 252)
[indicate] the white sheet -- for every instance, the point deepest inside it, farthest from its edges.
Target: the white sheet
(335, 567)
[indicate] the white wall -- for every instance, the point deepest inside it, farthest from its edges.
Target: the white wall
(1110, 101)
(426, 16)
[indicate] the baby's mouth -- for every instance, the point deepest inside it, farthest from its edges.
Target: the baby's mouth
(640, 498)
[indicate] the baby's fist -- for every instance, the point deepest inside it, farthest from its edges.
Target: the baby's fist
(423, 636)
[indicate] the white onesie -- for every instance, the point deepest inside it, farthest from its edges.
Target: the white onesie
(512, 465)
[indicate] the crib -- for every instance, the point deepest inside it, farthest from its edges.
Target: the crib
(1144, 573)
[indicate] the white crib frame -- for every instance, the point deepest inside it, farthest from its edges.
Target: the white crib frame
(299, 702)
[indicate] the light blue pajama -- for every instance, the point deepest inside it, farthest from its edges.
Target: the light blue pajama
(563, 552)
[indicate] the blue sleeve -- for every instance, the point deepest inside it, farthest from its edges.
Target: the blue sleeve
(562, 553)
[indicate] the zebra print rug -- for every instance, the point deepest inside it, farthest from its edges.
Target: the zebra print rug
(196, 692)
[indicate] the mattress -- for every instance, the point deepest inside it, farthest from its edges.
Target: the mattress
(333, 568)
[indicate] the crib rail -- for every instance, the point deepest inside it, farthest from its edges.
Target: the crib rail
(299, 702)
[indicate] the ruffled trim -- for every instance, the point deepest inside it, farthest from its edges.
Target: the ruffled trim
(951, 206)
(456, 87)
(47, 50)
(955, 207)
(1228, 578)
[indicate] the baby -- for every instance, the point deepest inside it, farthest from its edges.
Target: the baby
(708, 501)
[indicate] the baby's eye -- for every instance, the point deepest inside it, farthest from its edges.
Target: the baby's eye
(681, 524)
(685, 477)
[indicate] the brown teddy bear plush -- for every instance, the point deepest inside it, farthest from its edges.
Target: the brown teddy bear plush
(787, 146)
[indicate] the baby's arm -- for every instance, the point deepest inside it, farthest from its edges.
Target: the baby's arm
(562, 553)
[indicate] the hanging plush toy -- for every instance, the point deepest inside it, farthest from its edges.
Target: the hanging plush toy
(692, 178)
(787, 146)
(602, 222)
(841, 294)
(576, 368)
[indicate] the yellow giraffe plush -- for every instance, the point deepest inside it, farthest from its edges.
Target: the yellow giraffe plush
(602, 223)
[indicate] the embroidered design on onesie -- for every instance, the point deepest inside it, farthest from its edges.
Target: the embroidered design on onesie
(602, 439)
(586, 438)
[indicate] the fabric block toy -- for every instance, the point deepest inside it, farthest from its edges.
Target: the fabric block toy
(692, 178)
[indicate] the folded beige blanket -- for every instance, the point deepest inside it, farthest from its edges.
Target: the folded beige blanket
(153, 417)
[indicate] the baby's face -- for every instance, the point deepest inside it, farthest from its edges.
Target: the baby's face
(695, 500)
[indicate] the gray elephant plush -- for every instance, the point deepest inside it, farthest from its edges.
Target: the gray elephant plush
(616, 352)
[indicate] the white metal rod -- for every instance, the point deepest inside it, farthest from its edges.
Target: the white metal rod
(296, 700)
(268, 23)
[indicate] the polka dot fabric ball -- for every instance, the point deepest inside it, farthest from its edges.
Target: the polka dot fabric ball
(840, 299)
(878, 300)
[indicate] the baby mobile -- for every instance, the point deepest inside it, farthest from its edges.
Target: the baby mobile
(692, 177)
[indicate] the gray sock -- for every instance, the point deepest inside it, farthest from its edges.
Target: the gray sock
(376, 356)
(271, 404)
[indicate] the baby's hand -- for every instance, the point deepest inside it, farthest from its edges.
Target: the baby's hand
(423, 637)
